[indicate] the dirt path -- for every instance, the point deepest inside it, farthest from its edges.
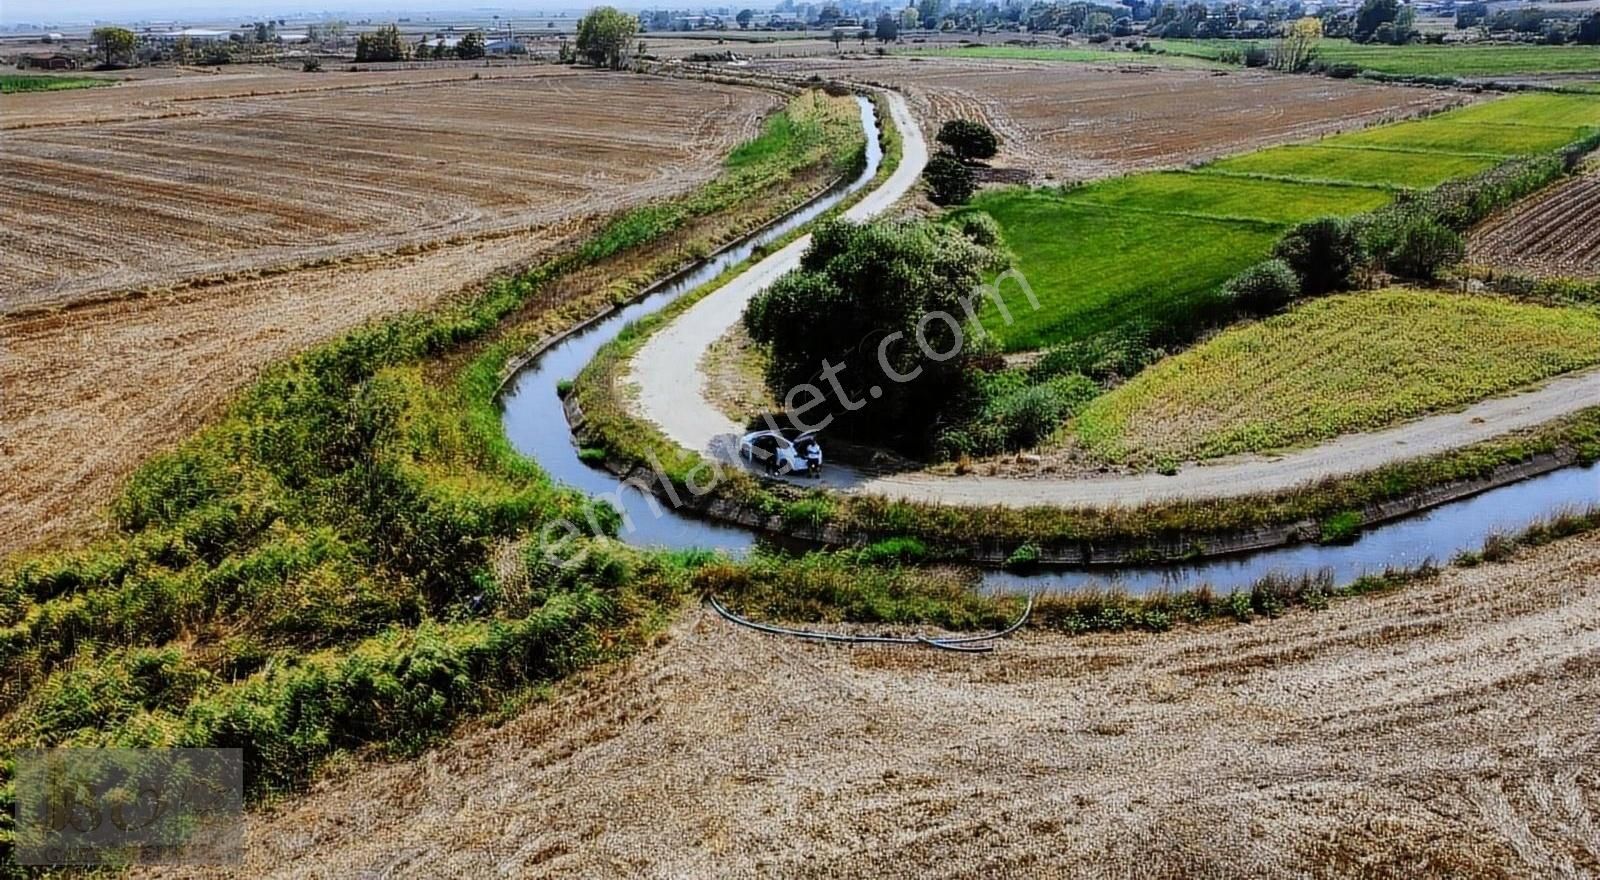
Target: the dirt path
(667, 368)
(1449, 729)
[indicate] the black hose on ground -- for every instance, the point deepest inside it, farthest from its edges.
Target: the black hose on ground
(959, 644)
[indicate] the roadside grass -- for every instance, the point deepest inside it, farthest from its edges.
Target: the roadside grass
(14, 83)
(1475, 60)
(1330, 161)
(342, 561)
(1356, 362)
(1074, 55)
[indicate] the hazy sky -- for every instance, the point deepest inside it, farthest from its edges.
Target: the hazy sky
(78, 11)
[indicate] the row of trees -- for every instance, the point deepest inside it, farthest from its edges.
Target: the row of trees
(886, 31)
(386, 44)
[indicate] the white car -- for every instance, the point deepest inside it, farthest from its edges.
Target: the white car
(783, 452)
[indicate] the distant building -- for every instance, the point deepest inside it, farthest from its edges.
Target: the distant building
(193, 35)
(505, 46)
(48, 61)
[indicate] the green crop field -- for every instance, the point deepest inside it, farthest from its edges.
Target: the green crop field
(1336, 365)
(11, 83)
(1327, 161)
(1096, 269)
(1446, 134)
(1073, 54)
(1155, 247)
(1224, 197)
(1575, 111)
(1477, 60)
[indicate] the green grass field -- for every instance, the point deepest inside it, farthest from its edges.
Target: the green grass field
(1329, 162)
(1332, 366)
(1574, 111)
(1448, 135)
(1074, 55)
(1228, 198)
(1478, 60)
(1096, 269)
(1155, 247)
(11, 83)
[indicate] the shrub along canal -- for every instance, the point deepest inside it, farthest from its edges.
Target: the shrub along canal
(535, 420)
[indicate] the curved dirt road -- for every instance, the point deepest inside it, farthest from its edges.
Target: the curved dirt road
(671, 392)
(667, 368)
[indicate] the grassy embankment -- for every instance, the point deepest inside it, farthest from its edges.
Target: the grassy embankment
(12, 83)
(341, 562)
(1334, 366)
(1155, 248)
(1475, 60)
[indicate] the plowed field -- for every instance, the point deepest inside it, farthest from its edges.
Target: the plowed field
(1077, 121)
(320, 167)
(1555, 233)
(343, 197)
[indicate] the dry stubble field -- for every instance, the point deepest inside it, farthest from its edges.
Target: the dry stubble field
(1449, 728)
(520, 162)
(1072, 121)
(316, 167)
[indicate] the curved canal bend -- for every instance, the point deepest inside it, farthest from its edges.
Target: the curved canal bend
(535, 421)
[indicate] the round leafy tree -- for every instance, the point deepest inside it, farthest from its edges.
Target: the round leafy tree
(867, 333)
(969, 140)
(1325, 253)
(949, 181)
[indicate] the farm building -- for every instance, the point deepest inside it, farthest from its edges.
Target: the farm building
(48, 61)
(505, 46)
(194, 35)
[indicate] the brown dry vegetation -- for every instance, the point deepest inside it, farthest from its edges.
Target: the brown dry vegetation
(1078, 121)
(735, 367)
(1445, 729)
(1555, 233)
(93, 390)
(318, 167)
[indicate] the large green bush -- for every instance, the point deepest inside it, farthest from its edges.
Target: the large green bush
(1265, 287)
(1325, 253)
(889, 290)
(968, 140)
(1423, 248)
(950, 182)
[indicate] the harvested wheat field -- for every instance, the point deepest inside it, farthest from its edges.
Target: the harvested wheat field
(94, 389)
(1082, 121)
(336, 168)
(1448, 728)
(1553, 234)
